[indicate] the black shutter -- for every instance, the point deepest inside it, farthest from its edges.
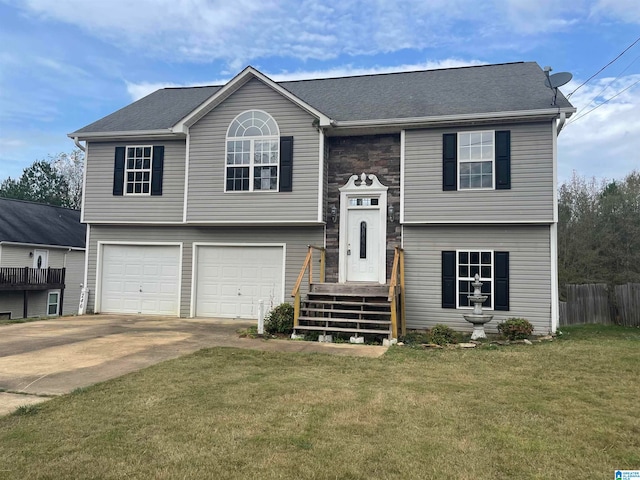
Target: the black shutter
(501, 270)
(503, 160)
(286, 164)
(156, 170)
(118, 171)
(449, 161)
(448, 279)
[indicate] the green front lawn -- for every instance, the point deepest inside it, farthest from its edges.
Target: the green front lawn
(562, 409)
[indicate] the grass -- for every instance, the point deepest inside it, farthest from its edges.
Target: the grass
(562, 409)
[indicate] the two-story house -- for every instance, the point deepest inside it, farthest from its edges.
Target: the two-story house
(42, 259)
(202, 201)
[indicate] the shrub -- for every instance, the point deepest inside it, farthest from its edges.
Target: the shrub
(279, 319)
(415, 337)
(441, 335)
(515, 328)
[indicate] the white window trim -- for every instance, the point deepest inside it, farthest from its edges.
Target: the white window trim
(127, 170)
(493, 161)
(57, 304)
(458, 278)
(251, 165)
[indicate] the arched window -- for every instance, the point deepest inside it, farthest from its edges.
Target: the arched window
(253, 153)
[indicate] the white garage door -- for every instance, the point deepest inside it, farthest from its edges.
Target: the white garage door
(140, 279)
(232, 280)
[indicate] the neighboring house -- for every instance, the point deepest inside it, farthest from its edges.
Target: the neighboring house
(42, 259)
(202, 201)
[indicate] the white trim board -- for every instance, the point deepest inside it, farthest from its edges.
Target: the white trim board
(320, 174)
(402, 180)
(555, 295)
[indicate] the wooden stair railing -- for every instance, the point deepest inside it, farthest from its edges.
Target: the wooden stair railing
(307, 265)
(396, 294)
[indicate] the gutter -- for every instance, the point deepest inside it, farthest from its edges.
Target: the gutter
(162, 133)
(561, 120)
(41, 245)
(77, 142)
(524, 114)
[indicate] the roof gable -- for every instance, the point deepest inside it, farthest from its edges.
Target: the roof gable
(236, 83)
(38, 224)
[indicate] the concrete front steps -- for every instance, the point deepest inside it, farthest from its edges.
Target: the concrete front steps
(353, 308)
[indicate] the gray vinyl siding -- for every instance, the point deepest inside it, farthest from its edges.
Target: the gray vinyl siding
(296, 240)
(100, 205)
(530, 198)
(12, 302)
(529, 272)
(18, 256)
(207, 199)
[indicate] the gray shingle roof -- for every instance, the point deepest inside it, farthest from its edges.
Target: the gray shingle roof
(28, 222)
(454, 91)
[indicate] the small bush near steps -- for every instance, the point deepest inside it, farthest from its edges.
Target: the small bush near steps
(515, 328)
(442, 335)
(439, 335)
(279, 320)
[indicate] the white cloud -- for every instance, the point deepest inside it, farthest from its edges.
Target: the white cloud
(240, 31)
(627, 11)
(605, 142)
(138, 90)
(141, 89)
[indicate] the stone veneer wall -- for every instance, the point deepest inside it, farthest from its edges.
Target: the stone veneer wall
(377, 154)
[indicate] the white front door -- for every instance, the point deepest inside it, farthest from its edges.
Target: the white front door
(363, 244)
(363, 230)
(40, 258)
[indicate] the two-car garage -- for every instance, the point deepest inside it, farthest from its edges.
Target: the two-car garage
(228, 280)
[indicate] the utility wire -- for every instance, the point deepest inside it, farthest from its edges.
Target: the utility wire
(611, 82)
(600, 71)
(606, 101)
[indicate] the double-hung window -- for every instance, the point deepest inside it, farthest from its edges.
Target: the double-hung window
(470, 264)
(252, 153)
(459, 268)
(138, 170)
(476, 155)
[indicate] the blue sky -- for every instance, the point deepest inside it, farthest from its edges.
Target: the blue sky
(67, 63)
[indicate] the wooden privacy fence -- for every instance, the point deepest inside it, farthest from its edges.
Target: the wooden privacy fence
(628, 304)
(597, 303)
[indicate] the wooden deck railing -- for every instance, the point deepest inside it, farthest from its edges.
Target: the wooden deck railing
(306, 266)
(396, 294)
(17, 278)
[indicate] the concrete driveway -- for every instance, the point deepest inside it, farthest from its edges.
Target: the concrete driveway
(54, 357)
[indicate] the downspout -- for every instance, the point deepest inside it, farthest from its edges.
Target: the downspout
(561, 120)
(77, 142)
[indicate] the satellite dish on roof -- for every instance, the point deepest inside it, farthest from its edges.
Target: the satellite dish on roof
(558, 79)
